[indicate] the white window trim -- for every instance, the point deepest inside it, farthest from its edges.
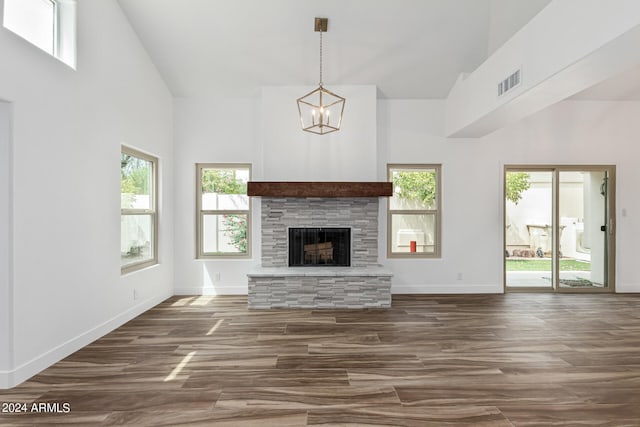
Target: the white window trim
(200, 253)
(64, 31)
(437, 250)
(129, 268)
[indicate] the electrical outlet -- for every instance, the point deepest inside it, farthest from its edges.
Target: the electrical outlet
(459, 277)
(217, 277)
(135, 295)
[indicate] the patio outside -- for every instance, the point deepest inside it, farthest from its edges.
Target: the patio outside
(529, 229)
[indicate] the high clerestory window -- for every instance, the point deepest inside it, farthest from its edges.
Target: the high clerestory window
(47, 24)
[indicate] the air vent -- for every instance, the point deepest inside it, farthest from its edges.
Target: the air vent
(509, 83)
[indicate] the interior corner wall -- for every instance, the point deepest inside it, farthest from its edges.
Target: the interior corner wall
(570, 132)
(68, 127)
(6, 245)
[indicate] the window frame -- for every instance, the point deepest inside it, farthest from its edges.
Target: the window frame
(200, 213)
(64, 31)
(437, 211)
(153, 212)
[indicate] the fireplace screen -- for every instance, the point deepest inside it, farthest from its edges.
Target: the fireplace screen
(319, 247)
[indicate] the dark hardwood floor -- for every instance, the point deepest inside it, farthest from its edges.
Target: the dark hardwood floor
(515, 359)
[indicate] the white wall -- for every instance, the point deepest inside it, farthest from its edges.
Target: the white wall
(411, 131)
(265, 132)
(221, 130)
(571, 132)
(6, 253)
(68, 127)
(293, 155)
(566, 133)
(588, 132)
(407, 131)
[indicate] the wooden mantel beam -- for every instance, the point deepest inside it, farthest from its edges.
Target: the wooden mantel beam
(319, 189)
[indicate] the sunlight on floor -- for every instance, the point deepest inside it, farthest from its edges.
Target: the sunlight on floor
(181, 365)
(203, 300)
(183, 302)
(213, 329)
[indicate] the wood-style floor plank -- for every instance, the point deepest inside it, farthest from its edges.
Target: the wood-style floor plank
(492, 360)
(388, 415)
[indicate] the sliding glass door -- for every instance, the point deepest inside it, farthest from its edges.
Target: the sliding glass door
(558, 231)
(529, 212)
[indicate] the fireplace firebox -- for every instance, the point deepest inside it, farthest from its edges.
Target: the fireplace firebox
(315, 247)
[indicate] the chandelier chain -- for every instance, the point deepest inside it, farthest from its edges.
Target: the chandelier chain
(320, 58)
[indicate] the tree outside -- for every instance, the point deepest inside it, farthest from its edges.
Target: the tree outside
(135, 177)
(418, 186)
(515, 184)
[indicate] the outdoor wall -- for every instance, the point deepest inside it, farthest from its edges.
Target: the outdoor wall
(535, 208)
(68, 127)
(571, 132)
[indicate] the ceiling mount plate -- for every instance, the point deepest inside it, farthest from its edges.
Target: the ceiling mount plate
(321, 25)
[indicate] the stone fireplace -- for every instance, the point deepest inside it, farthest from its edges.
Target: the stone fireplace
(361, 283)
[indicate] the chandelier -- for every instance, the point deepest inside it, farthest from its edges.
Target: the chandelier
(321, 110)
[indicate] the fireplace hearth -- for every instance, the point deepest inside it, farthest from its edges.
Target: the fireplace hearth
(318, 247)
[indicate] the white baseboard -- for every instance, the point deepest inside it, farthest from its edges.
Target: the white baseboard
(446, 289)
(210, 290)
(395, 289)
(627, 288)
(9, 379)
(5, 379)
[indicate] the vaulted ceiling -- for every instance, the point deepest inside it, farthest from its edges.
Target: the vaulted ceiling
(407, 48)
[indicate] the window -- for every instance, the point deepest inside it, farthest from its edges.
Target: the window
(138, 210)
(413, 220)
(47, 24)
(224, 210)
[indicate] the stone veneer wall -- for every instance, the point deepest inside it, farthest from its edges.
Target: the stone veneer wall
(360, 214)
(320, 292)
